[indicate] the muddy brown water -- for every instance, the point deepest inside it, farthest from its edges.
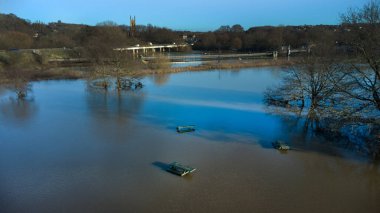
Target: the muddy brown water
(70, 148)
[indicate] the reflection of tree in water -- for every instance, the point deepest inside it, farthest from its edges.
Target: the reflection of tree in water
(15, 110)
(310, 98)
(119, 84)
(161, 79)
(114, 104)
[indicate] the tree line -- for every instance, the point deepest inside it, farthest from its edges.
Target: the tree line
(17, 33)
(267, 38)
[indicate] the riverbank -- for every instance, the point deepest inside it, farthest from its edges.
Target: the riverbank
(223, 65)
(137, 69)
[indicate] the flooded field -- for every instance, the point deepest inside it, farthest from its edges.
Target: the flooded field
(73, 148)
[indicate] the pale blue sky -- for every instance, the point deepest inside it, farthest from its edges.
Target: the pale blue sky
(190, 15)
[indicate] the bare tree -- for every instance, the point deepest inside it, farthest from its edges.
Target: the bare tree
(363, 27)
(325, 95)
(237, 28)
(306, 88)
(18, 80)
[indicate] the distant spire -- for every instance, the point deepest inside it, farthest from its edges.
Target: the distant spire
(132, 32)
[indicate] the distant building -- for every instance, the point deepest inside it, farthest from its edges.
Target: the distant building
(190, 39)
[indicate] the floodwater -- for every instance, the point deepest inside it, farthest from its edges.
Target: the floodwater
(72, 148)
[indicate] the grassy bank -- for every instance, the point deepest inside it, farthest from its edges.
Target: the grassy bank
(222, 65)
(31, 66)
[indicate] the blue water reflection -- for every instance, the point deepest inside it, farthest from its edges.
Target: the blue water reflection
(224, 105)
(228, 102)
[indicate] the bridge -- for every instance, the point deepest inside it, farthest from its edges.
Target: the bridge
(144, 49)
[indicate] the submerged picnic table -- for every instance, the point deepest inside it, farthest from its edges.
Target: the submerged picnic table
(183, 129)
(179, 169)
(281, 146)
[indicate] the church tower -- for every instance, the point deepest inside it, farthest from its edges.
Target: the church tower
(132, 21)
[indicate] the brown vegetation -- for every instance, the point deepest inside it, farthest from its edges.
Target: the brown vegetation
(222, 65)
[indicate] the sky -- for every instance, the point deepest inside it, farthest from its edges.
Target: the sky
(195, 15)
